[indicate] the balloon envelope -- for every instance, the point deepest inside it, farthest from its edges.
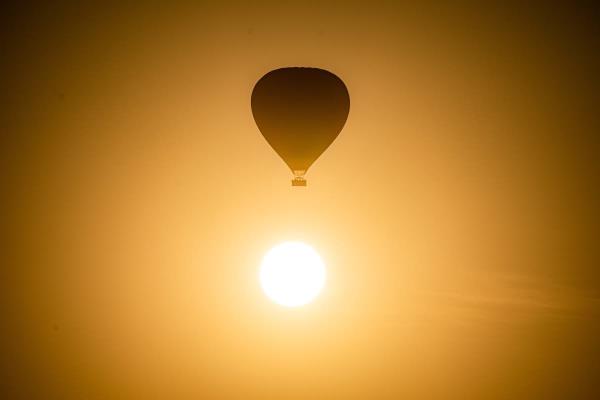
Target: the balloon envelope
(300, 112)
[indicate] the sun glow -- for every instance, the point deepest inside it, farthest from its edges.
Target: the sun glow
(292, 274)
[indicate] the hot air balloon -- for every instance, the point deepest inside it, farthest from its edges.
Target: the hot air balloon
(300, 112)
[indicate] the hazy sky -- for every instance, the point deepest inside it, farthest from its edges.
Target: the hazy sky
(457, 212)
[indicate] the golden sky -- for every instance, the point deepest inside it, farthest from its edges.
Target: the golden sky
(457, 212)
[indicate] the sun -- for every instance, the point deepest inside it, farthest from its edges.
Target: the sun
(292, 274)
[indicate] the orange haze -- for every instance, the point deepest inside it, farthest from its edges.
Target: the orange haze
(457, 212)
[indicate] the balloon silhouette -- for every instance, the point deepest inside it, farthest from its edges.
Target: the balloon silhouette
(300, 112)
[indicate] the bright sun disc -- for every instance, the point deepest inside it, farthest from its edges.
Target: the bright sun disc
(292, 274)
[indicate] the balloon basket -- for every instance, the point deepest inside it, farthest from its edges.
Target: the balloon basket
(298, 181)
